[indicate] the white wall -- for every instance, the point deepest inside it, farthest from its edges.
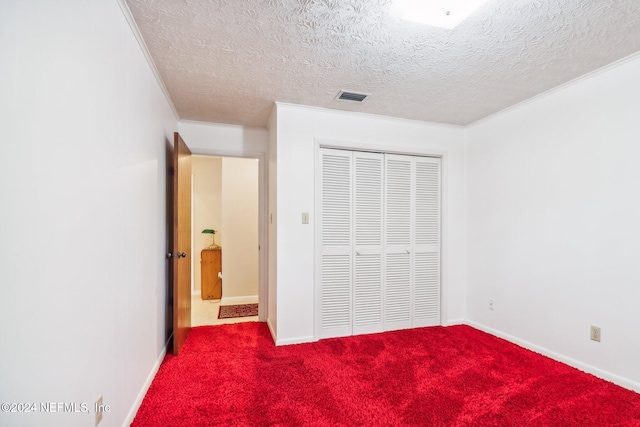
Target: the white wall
(207, 208)
(85, 131)
(298, 129)
(239, 227)
(220, 139)
(553, 220)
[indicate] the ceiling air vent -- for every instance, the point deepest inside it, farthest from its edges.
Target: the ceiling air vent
(345, 95)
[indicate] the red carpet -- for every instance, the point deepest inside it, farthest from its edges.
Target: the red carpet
(233, 375)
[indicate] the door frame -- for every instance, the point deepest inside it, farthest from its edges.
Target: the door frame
(263, 179)
(390, 148)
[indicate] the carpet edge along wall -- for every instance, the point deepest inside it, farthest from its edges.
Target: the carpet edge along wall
(233, 375)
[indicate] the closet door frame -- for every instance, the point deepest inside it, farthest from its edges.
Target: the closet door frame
(320, 143)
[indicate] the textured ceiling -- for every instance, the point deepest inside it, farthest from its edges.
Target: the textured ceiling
(227, 61)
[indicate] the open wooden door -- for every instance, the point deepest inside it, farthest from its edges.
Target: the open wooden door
(180, 255)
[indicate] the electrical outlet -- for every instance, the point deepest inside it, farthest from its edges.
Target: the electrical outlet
(99, 408)
(491, 304)
(595, 333)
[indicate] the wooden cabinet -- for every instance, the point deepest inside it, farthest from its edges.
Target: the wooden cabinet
(211, 266)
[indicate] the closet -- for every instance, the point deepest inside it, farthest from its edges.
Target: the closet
(380, 242)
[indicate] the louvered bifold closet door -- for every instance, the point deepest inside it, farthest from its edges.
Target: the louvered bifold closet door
(397, 251)
(368, 213)
(426, 248)
(336, 245)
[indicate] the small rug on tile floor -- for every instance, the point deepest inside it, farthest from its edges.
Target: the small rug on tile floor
(240, 310)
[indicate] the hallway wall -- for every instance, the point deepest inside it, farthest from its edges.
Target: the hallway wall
(240, 227)
(207, 208)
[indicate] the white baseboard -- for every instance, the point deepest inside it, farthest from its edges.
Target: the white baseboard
(605, 375)
(301, 340)
(145, 387)
(272, 330)
(296, 340)
(249, 299)
(454, 322)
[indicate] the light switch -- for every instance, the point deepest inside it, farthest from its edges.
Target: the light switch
(305, 217)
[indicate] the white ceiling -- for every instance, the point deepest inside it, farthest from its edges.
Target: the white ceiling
(227, 61)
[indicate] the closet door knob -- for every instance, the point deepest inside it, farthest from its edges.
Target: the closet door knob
(357, 252)
(408, 251)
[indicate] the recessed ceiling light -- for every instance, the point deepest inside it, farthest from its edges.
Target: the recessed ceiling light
(437, 13)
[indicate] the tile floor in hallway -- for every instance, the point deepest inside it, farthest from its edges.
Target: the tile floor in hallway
(205, 312)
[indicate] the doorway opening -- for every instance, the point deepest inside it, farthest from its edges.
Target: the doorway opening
(225, 237)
